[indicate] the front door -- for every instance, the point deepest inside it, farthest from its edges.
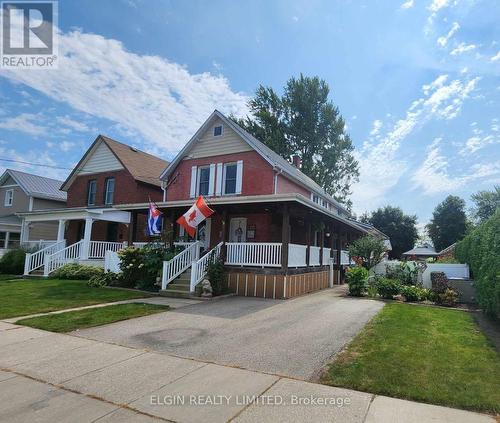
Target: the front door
(203, 233)
(238, 229)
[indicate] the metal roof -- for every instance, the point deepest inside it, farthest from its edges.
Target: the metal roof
(426, 250)
(37, 186)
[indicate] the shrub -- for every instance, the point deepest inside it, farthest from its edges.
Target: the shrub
(413, 293)
(12, 262)
(216, 274)
(439, 282)
(480, 249)
(405, 273)
(357, 280)
(368, 250)
(77, 271)
(105, 279)
(448, 298)
(388, 288)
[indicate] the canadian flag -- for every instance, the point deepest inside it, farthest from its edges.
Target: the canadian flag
(198, 212)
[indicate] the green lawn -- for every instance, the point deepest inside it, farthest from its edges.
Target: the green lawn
(80, 319)
(425, 354)
(23, 297)
(4, 277)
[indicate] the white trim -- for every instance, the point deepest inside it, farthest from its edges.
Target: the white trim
(10, 186)
(107, 214)
(218, 184)
(30, 205)
(239, 176)
(9, 198)
(194, 171)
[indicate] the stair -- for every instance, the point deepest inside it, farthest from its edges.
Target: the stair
(179, 287)
(35, 274)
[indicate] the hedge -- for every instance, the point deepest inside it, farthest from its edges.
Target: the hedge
(481, 251)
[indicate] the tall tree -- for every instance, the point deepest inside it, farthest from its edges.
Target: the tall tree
(486, 203)
(449, 222)
(304, 122)
(399, 227)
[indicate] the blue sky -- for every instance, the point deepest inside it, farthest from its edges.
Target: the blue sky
(418, 83)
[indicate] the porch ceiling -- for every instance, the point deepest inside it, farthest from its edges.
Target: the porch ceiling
(107, 214)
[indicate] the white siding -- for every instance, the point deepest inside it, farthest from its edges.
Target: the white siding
(101, 160)
(227, 143)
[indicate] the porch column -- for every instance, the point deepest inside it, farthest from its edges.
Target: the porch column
(60, 230)
(25, 231)
(321, 245)
(7, 238)
(223, 237)
(86, 238)
(308, 242)
(131, 228)
(285, 237)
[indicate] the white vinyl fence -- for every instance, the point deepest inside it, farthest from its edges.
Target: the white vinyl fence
(111, 262)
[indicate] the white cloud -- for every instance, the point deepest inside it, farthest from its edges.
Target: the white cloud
(72, 124)
(495, 57)
(437, 5)
(145, 95)
(407, 4)
(442, 41)
(377, 125)
(462, 48)
(25, 122)
(380, 164)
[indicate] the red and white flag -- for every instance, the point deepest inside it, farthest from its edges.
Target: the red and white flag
(198, 212)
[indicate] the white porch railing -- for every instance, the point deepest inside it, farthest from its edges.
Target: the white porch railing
(326, 256)
(297, 255)
(314, 255)
(62, 257)
(199, 268)
(263, 254)
(97, 249)
(38, 245)
(36, 260)
(111, 262)
(180, 263)
(176, 243)
(344, 257)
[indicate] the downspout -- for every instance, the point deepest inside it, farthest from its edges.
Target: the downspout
(277, 172)
(164, 189)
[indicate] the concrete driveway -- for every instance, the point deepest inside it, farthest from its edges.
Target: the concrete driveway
(289, 338)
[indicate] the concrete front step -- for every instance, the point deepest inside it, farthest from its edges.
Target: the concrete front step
(175, 293)
(179, 286)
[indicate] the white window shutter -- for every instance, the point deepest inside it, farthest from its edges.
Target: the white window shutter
(211, 179)
(192, 193)
(239, 176)
(218, 184)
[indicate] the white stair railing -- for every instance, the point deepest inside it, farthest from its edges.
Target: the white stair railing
(180, 263)
(60, 258)
(97, 249)
(35, 260)
(199, 267)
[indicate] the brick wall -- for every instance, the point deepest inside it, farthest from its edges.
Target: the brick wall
(127, 189)
(258, 175)
(286, 186)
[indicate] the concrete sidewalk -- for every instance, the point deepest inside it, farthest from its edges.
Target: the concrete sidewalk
(171, 302)
(48, 377)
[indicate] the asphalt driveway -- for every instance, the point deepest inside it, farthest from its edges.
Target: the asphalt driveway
(291, 338)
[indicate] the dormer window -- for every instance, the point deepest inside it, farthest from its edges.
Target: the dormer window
(9, 198)
(217, 131)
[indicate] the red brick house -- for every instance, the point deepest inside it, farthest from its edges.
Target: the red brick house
(109, 174)
(275, 227)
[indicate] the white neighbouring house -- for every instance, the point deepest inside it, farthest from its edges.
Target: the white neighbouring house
(22, 192)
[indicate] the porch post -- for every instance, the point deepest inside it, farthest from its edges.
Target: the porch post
(60, 230)
(321, 245)
(131, 228)
(224, 234)
(285, 237)
(308, 242)
(339, 266)
(86, 238)
(25, 231)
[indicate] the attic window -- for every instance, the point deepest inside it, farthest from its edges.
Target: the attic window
(217, 131)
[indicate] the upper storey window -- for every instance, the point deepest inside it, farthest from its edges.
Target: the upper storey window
(204, 180)
(9, 197)
(91, 191)
(230, 177)
(217, 131)
(109, 191)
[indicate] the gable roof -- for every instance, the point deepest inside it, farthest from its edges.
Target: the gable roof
(425, 250)
(273, 158)
(143, 167)
(36, 186)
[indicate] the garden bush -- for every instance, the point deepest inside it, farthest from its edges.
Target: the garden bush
(216, 274)
(405, 273)
(412, 293)
(480, 249)
(439, 282)
(357, 280)
(388, 288)
(77, 271)
(12, 262)
(442, 292)
(105, 279)
(448, 298)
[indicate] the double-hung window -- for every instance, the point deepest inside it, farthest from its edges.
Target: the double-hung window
(203, 180)
(9, 198)
(91, 191)
(109, 191)
(230, 176)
